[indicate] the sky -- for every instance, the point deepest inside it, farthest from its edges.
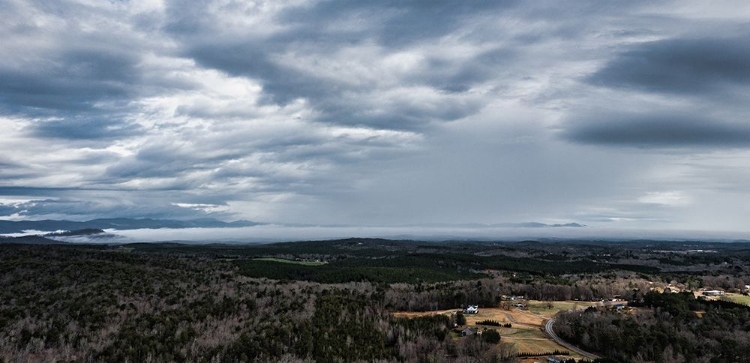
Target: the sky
(611, 114)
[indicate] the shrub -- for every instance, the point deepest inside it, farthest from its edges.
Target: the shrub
(491, 336)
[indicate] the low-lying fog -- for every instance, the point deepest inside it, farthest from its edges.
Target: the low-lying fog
(276, 233)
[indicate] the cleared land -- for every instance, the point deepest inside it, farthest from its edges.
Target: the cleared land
(527, 331)
(549, 309)
(519, 317)
(740, 299)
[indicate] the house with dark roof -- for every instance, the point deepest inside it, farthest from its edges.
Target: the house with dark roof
(467, 332)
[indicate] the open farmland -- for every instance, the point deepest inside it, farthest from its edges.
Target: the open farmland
(550, 308)
(527, 326)
(740, 299)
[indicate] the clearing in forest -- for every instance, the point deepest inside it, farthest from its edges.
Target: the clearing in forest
(740, 299)
(527, 331)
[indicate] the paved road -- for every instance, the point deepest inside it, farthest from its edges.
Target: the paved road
(565, 344)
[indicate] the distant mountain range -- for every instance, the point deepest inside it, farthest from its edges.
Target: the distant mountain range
(503, 225)
(536, 225)
(116, 223)
(30, 240)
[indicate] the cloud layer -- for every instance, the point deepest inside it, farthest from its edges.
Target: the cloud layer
(681, 66)
(377, 114)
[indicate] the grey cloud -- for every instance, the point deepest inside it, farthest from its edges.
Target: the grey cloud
(180, 165)
(679, 66)
(471, 88)
(85, 208)
(308, 31)
(70, 82)
(82, 204)
(72, 75)
(283, 85)
(397, 23)
(460, 77)
(404, 22)
(6, 210)
(5, 163)
(396, 114)
(30, 191)
(655, 130)
(208, 111)
(85, 128)
(284, 159)
(154, 161)
(251, 59)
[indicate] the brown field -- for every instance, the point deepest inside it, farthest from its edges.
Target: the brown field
(412, 314)
(531, 341)
(527, 331)
(519, 317)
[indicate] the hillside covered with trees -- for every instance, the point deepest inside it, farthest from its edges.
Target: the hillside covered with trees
(671, 327)
(333, 301)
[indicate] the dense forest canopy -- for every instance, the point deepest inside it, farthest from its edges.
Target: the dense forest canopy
(673, 327)
(333, 301)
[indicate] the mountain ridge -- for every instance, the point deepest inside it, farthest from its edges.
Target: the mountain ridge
(51, 225)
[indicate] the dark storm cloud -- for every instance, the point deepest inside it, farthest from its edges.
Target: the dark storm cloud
(31, 191)
(252, 59)
(73, 85)
(679, 66)
(312, 31)
(657, 130)
(68, 83)
(84, 128)
(360, 112)
(6, 210)
(405, 23)
(5, 163)
(395, 114)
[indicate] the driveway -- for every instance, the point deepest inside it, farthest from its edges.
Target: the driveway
(573, 348)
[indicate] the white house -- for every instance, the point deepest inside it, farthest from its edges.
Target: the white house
(713, 293)
(471, 309)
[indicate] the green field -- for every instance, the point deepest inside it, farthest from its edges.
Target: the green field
(740, 299)
(295, 262)
(541, 307)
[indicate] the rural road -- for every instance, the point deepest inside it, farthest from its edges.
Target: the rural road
(548, 328)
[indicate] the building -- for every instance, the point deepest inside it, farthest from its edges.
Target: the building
(472, 309)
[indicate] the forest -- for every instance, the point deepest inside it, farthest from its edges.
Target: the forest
(334, 301)
(669, 330)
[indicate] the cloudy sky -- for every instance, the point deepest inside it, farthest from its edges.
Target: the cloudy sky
(616, 114)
